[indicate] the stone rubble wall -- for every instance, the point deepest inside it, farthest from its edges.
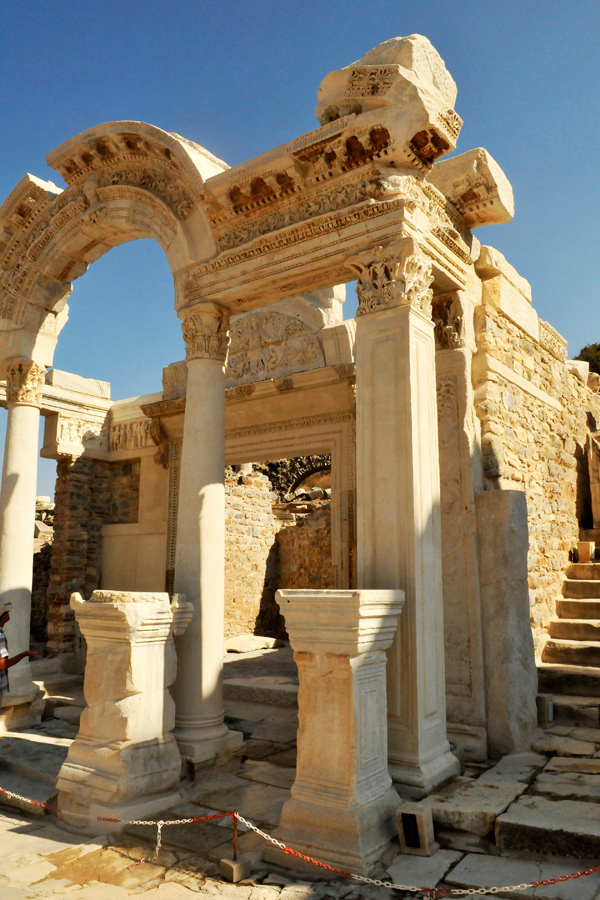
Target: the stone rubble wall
(536, 445)
(89, 494)
(305, 547)
(269, 546)
(250, 558)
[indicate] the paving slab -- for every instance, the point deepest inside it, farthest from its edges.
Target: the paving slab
(476, 871)
(469, 805)
(535, 824)
(564, 746)
(286, 757)
(587, 734)
(42, 841)
(198, 838)
(250, 845)
(37, 759)
(570, 764)
(27, 869)
(423, 871)
(269, 773)
(261, 749)
(257, 802)
(13, 892)
(568, 786)
(516, 767)
(20, 784)
(191, 810)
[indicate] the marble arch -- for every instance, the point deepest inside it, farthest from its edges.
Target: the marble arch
(125, 180)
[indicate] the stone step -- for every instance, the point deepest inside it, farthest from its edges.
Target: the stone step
(581, 588)
(575, 629)
(576, 710)
(25, 786)
(578, 609)
(538, 825)
(589, 570)
(582, 681)
(572, 653)
(267, 690)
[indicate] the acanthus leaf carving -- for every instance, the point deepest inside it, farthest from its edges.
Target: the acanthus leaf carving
(448, 321)
(24, 382)
(205, 331)
(395, 275)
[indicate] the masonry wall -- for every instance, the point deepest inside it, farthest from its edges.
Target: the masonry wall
(304, 547)
(250, 557)
(534, 435)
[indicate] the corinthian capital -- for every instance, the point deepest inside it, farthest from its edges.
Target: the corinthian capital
(205, 331)
(24, 382)
(396, 275)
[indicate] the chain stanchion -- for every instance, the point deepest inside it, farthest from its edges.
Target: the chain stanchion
(159, 824)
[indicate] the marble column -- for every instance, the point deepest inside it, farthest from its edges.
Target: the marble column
(25, 379)
(343, 808)
(398, 500)
(200, 554)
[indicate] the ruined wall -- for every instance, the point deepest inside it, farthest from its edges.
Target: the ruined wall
(250, 558)
(270, 546)
(89, 494)
(534, 417)
(304, 546)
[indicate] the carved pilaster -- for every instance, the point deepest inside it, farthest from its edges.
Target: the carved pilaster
(205, 331)
(24, 382)
(448, 321)
(395, 275)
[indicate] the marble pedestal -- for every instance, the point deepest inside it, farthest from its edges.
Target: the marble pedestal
(124, 762)
(342, 808)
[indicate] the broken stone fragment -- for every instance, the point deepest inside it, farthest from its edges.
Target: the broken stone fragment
(476, 185)
(403, 88)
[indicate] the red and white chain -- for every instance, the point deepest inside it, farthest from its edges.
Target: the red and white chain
(427, 892)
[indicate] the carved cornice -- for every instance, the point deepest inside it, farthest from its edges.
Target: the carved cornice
(205, 332)
(24, 382)
(395, 275)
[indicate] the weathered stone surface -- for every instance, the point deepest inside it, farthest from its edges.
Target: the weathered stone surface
(516, 767)
(570, 764)
(473, 806)
(568, 786)
(477, 186)
(563, 746)
(481, 871)
(554, 827)
(423, 871)
(511, 681)
(247, 643)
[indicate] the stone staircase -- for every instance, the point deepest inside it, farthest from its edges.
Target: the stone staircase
(570, 662)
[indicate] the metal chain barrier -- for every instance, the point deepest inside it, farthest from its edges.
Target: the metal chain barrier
(159, 824)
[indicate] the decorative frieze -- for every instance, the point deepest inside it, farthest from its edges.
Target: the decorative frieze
(131, 435)
(205, 332)
(396, 275)
(24, 382)
(268, 343)
(371, 81)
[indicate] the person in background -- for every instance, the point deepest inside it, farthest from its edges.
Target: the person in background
(6, 661)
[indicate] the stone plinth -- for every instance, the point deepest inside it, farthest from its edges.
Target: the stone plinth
(342, 808)
(124, 762)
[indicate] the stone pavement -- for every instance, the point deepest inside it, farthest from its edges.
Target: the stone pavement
(530, 817)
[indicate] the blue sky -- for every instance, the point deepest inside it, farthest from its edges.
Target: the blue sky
(240, 78)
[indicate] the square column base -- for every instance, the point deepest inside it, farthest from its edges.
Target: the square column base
(150, 808)
(214, 751)
(415, 781)
(350, 839)
(21, 709)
